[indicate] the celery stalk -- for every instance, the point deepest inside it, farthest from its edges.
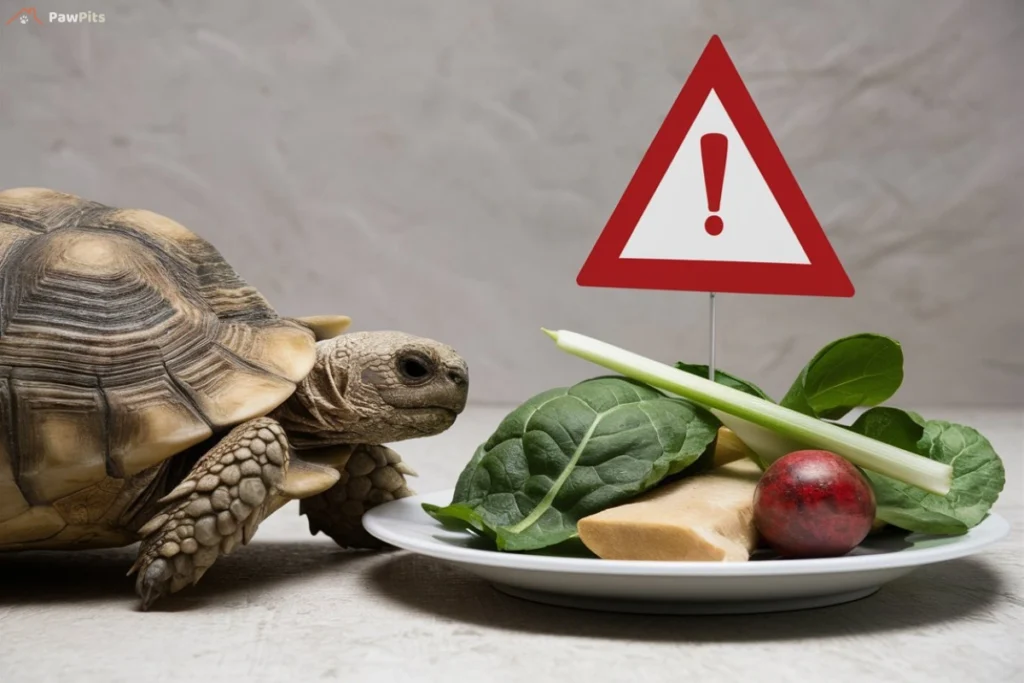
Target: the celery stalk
(768, 429)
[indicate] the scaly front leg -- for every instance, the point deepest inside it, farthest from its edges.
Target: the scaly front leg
(217, 507)
(372, 475)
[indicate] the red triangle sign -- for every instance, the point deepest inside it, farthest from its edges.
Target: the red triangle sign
(713, 206)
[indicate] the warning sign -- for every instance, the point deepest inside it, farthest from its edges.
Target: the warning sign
(713, 206)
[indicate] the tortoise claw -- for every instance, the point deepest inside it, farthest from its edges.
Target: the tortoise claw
(154, 582)
(135, 566)
(405, 469)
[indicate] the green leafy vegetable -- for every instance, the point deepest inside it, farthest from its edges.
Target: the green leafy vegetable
(978, 474)
(892, 425)
(725, 378)
(570, 452)
(861, 370)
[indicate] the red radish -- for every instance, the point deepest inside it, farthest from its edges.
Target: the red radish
(813, 504)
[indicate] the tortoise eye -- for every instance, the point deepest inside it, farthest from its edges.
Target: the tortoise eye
(415, 368)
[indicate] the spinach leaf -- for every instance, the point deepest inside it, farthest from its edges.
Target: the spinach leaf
(725, 378)
(573, 451)
(978, 474)
(860, 370)
(896, 427)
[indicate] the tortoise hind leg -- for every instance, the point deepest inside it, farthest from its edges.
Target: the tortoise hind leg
(214, 509)
(372, 475)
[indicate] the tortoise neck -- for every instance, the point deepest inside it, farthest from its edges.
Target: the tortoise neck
(305, 425)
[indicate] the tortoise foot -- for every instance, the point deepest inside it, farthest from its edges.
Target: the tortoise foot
(372, 475)
(216, 508)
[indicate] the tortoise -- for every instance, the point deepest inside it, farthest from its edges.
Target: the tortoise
(149, 394)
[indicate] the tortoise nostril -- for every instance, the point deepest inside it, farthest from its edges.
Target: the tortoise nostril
(458, 376)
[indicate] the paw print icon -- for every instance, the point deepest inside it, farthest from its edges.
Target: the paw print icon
(25, 15)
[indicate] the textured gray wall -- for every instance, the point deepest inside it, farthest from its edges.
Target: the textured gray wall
(444, 167)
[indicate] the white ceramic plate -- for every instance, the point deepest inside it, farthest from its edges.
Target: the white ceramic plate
(767, 585)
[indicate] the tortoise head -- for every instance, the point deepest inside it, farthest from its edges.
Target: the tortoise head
(376, 387)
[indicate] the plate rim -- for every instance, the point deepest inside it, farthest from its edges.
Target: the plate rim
(990, 531)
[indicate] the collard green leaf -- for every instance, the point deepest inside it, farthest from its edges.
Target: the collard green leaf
(860, 370)
(978, 473)
(570, 452)
(725, 378)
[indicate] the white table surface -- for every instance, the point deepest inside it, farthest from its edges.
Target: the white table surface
(295, 607)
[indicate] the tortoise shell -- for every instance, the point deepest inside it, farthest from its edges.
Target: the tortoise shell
(124, 339)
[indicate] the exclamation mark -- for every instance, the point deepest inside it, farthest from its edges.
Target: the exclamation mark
(713, 147)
